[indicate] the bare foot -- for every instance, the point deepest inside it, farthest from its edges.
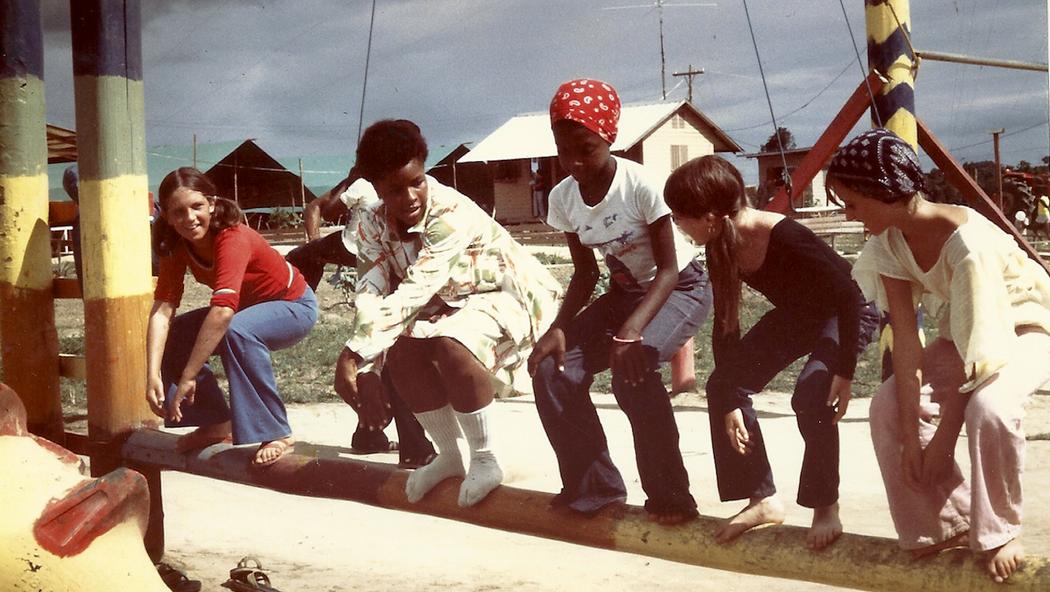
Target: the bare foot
(1002, 562)
(203, 437)
(826, 527)
(767, 510)
(959, 541)
(269, 452)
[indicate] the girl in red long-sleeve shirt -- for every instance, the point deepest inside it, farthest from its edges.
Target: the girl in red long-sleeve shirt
(259, 304)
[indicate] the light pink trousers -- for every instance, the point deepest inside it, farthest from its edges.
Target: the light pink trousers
(988, 504)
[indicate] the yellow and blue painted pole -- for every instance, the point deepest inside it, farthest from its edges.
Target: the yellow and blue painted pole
(111, 138)
(888, 24)
(28, 340)
(889, 52)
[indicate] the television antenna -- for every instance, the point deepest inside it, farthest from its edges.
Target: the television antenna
(659, 6)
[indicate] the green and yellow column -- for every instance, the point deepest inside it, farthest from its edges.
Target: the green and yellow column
(28, 340)
(889, 52)
(111, 138)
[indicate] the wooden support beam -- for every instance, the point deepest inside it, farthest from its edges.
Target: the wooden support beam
(855, 561)
(66, 288)
(28, 339)
(111, 126)
(72, 366)
(827, 144)
(972, 192)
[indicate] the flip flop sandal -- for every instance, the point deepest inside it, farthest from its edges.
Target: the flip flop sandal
(282, 448)
(175, 580)
(249, 576)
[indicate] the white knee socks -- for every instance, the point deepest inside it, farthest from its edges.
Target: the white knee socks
(443, 429)
(485, 473)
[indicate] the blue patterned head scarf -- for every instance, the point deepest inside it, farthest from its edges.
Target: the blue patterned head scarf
(879, 164)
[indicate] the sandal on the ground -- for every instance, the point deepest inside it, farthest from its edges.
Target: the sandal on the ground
(249, 576)
(175, 580)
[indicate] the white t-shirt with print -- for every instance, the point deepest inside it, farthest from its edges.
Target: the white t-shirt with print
(360, 194)
(618, 226)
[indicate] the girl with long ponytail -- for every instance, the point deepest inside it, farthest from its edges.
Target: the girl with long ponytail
(818, 311)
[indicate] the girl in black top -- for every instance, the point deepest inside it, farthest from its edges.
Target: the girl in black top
(818, 312)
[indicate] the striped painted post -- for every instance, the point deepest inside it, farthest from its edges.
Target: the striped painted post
(111, 137)
(28, 340)
(890, 54)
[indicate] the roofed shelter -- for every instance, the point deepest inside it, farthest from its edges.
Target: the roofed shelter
(662, 136)
(254, 179)
(471, 179)
(770, 178)
(61, 145)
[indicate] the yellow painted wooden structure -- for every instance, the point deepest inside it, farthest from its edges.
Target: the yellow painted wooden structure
(888, 25)
(28, 339)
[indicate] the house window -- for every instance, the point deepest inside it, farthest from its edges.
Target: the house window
(679, 154)
(677, 122)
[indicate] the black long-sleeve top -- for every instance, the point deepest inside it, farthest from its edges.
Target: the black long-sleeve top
(802, 273)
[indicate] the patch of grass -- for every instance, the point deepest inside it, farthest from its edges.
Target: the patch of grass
(866, 380)
(305, 371)
(551, 258)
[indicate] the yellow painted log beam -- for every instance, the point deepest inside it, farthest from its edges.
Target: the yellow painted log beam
(855, 561)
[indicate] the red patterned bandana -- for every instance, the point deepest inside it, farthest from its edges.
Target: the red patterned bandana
(590, 103)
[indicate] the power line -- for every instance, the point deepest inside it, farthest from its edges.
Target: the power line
(1011, 133)
(801, 107)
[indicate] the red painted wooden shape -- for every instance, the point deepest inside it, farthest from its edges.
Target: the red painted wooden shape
(69, 525)
(827, 144)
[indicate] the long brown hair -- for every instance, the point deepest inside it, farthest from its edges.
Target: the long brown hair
(227, 213)
(710, 184)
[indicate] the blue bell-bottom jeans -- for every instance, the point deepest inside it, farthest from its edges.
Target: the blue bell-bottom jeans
(256, 411)
(589, 478)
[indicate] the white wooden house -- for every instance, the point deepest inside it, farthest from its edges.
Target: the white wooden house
(661, 136)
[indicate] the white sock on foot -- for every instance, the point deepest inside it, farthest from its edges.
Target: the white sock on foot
(443, 429)
(485, 473)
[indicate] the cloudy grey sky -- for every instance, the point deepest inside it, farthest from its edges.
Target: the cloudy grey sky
(290, 73)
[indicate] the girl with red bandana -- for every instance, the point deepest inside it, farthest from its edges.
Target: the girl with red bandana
(657, 299)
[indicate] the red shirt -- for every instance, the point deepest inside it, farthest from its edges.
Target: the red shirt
(244, 263)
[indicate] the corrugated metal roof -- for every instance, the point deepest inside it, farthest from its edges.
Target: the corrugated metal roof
(529, 135)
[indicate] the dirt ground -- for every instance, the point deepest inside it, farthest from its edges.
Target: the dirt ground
(319, 545)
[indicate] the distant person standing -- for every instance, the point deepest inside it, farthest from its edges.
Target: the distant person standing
(71, 184)
(1042, 217)
(539, 196)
